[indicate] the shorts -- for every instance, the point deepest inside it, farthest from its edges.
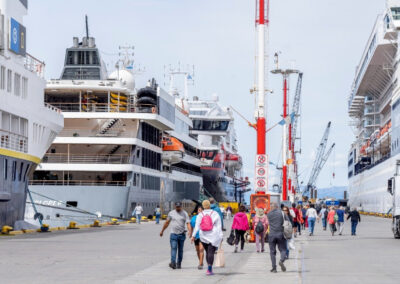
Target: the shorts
(197, 242)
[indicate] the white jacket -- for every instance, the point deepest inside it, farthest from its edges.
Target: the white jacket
(214, 236)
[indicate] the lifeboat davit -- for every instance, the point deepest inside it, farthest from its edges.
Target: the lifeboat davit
(173, 150)
(234, 161)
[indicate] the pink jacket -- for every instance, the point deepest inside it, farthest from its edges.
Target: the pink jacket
(264, 221)
(240, 222)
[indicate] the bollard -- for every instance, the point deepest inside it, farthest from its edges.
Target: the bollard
(72, 226)
(44, 229)
(164, 217)
(96, 224)
(6, 230)
(132, 220)
(144, 219)
(114, 221)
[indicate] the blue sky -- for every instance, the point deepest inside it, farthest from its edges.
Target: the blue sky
(324, 39)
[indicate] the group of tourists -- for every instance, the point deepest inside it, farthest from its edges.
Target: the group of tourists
(335, 218)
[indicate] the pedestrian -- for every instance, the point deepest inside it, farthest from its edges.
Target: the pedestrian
(340, 221)
(323, 215)
(157, 212)
(332, 220)
(300, 219)
(137, 212)
(260, 222)
(197, 242)
(276, 237)
(304, 211)
(355, 218)
(311, 218)
(178, 218)
(229, 212)
(286, 210)
(240, 224)
(208, 223)
(214, 206)
(295, 214)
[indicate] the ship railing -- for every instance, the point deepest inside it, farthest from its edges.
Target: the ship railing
(13, 141)
(74, 132)
(85, 159)
(34, 65)
(78, 182)
(52, 108)
(104, 107)
(173, 168)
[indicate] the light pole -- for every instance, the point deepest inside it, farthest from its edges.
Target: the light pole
(286, 139)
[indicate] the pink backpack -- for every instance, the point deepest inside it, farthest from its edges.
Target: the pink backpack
(206, 223)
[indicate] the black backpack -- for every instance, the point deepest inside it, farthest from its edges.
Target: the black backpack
(259, 227)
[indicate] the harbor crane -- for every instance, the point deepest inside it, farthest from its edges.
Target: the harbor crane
(293, 130)
(319, 162)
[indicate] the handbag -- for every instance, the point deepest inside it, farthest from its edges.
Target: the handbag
(291, 244)
(231, 239)
(220, 258)
(287, 228)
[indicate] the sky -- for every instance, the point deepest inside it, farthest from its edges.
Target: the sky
(324, 39)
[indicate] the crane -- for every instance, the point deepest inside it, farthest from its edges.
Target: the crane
(320, 161)
(295, 122)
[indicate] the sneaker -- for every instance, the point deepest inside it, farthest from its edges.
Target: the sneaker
(172, 265)
(236, 250)
(178, 266)
(200, 267)
(310, 234)
(283, 267)
(209, 273)
(262, 250)
(273, 270)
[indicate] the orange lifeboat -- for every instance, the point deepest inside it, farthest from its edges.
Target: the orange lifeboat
(173, 150)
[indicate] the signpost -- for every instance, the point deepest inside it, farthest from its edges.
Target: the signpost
(261, 177)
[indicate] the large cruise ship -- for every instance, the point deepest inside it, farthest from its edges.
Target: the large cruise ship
(121, 145)
(374, 106)
(28, 126)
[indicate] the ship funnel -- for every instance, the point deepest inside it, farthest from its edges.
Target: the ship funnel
(92, 42)
(75, 41)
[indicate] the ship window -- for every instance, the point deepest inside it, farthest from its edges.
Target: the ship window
(3, 78)
(72, 203)
(20, 171)
(9, 80)
(210, 125)
(24, 87)
(396, 13)
(5, 164)
(150, 182)
(17, 84)
(14, 170)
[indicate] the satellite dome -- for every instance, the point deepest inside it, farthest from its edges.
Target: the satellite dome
(125, 77)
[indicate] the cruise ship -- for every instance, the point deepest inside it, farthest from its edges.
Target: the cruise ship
(121, 145)
(28, 126)
(213, 127)
(374, 108)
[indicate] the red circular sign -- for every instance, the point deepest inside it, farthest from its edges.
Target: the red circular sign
(261, 159)
(260, 183)
(261, 171)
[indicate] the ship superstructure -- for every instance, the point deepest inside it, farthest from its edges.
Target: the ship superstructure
(121, 145)
(27, 125)
(374, 108)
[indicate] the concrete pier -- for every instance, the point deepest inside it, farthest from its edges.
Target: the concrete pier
(133, 253)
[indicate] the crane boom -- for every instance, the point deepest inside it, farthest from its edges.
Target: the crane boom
(296, 111)
(320, 159)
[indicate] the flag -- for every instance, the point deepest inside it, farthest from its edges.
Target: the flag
(288, 120)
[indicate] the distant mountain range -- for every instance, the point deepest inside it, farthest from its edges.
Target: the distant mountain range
(336, 192)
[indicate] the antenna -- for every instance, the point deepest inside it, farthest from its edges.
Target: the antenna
(188, 76)
(87, 26)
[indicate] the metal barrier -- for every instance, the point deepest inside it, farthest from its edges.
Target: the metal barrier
(103, 107)
(86, 159)
(13, 141)
(78, 182)
(34, 65)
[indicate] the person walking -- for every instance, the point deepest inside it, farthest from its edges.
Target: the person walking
(240, 225)
(208, 223)
(228, 212)
(178, 218)
(214, 206)
(354, 217)
(295, 218)
(332, 220)
(197, 243)
(323, 214)
(276, 238)
(286, 210)
(300, 219)
(311, 218)
(137, 212)
(340, 221)
(304, 211)
(157, 212)
(260, 222)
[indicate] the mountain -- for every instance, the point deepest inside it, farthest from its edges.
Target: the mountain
(336, 192)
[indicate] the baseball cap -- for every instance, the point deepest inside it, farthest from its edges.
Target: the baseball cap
(178, 204)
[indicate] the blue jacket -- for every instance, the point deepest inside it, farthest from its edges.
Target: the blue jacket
(193, 224)
(216, 209)
(340, 214)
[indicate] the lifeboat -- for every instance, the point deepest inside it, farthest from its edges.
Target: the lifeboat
(173, 150)
(118, 102)
(234, 161)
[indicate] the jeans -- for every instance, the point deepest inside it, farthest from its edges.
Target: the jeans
(138, 218)
(353, 227)
(158, 218)
(311, 224)
(324, 223)
(177, 242)
(276, 240)
(341, 226)
(287, 248)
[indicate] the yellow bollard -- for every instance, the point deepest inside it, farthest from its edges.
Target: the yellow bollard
(44, 229)
(72, 226)
(144, 219)
(132, 220)
(164, 217)
(96, 224)
(6, 230)
(114, 221)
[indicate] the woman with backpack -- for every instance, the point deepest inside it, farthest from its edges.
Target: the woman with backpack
(208, 223)
(240, 225)
(260, 222)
